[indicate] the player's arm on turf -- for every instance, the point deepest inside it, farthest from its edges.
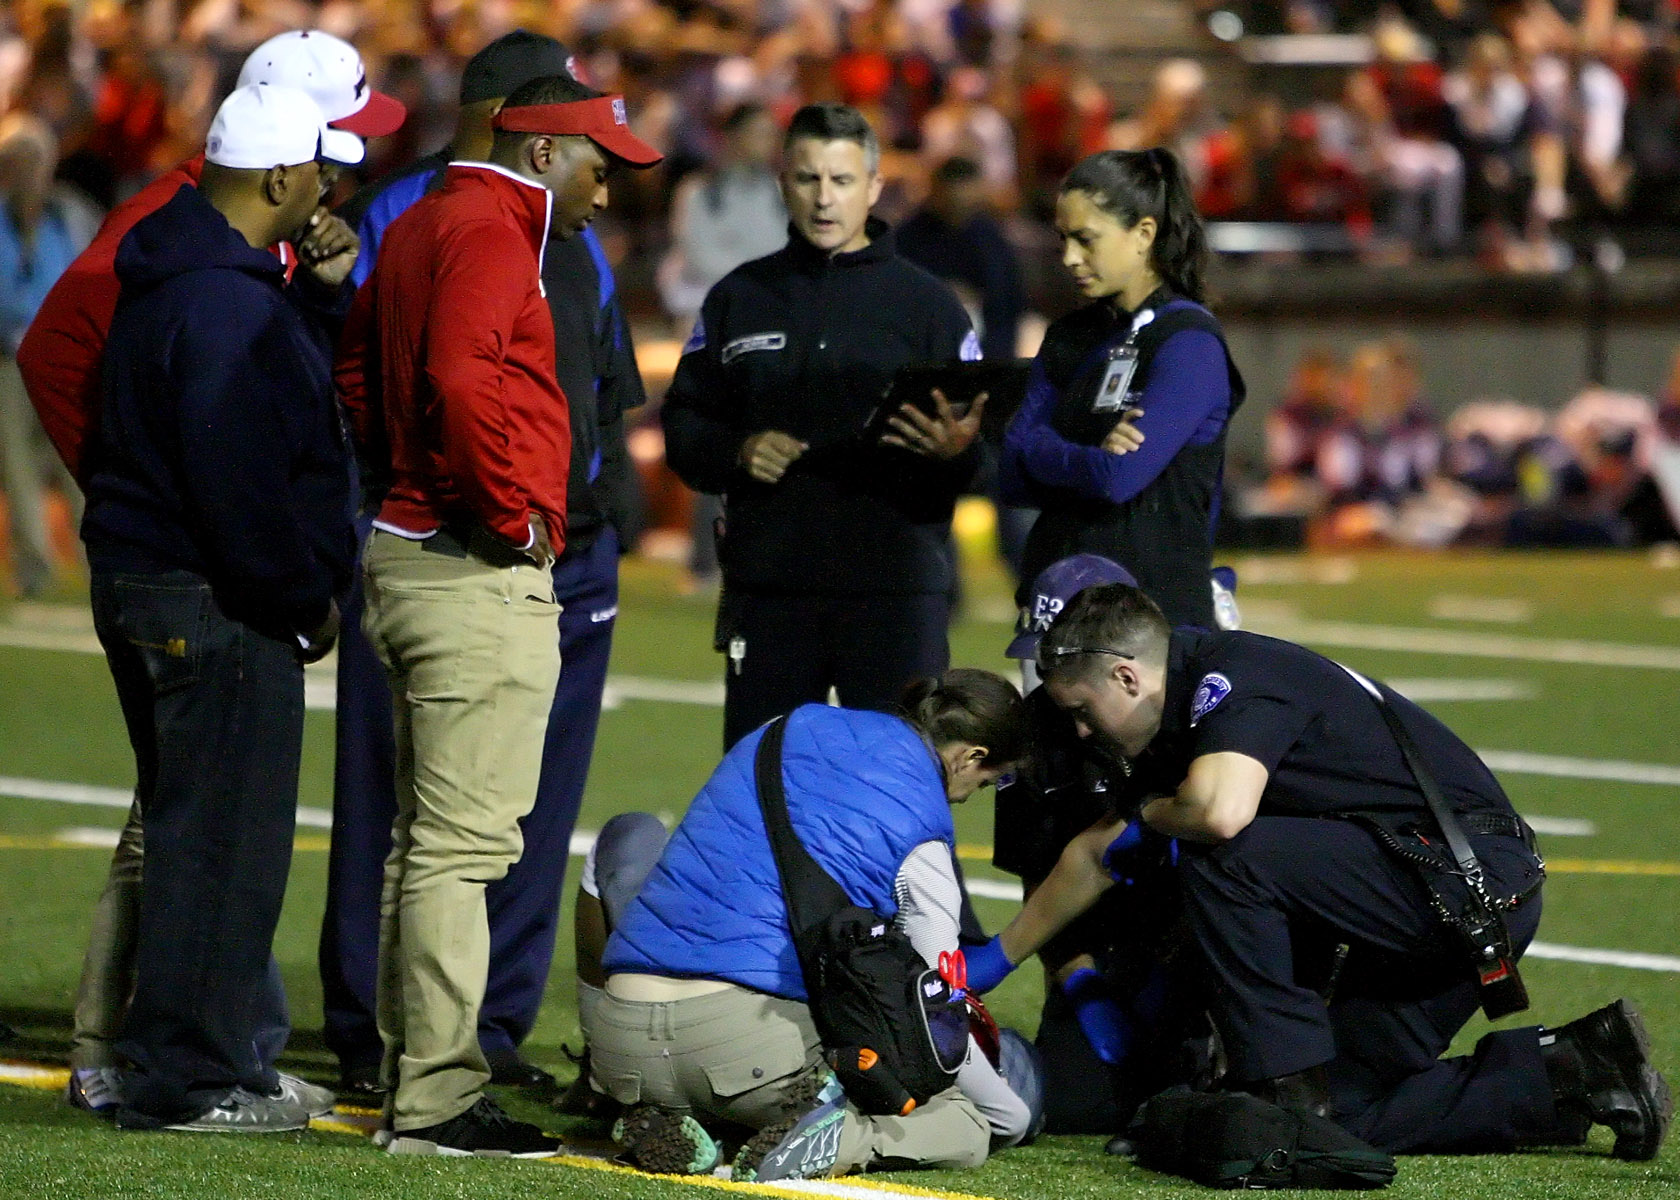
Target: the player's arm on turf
(1218, 798)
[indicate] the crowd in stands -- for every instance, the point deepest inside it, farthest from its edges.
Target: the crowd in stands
(1500, 128)
(1482, 127)
(1513, 130)
(1356, 450)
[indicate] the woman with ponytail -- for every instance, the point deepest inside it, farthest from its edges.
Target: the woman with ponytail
(1121, 440)
(703, 1015)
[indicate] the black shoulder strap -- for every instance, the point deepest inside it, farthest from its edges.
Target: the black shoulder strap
(1457, 842)
(810, 892)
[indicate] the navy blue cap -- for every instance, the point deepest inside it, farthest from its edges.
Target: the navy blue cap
(1058, 583)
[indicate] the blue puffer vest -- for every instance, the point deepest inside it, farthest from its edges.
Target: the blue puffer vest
(863, 790)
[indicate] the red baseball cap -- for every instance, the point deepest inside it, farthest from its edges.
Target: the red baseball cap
(601, 119)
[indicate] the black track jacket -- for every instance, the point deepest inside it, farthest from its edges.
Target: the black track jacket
(806, 343)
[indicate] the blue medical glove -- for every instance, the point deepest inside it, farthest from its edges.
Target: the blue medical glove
(1135, 850)
(988, 966)
(1105, 1024)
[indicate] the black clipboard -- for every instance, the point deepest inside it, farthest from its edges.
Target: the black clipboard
(1003, 380)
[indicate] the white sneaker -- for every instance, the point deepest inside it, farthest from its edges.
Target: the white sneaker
(247, 1112)
(316, 1101)
(97, 1090)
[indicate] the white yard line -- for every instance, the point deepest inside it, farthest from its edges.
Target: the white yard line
(1561, 826)
(1520, 762)
(1468, 644)
(1607, 958)
(1434, 691)
(1495, 609)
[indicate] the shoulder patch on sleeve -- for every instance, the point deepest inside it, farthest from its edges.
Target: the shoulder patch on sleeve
(1213, 688)
(696, 339)
(969, 351)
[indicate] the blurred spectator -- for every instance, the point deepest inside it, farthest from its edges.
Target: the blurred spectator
(130, 121)
(41, 232)
(955, 236)
(723, 216)
(1240, 164)
(1402, 439)
(1312, 445)
(1581, 111)
(1651, 140)
(1174, 116)
(1653, 510)
(966, 124)
(1399, 102)
(1495, 119)
(1312, 187)
(1065, 116)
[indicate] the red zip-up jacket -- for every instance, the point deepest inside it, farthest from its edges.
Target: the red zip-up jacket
(446, 365)
(60, 354)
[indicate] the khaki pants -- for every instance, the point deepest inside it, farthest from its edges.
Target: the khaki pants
(736, 1055)
(472, 651)
(28, 466)
(108, 967)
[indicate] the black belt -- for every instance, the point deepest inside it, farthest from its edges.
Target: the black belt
(474, 542)
(1508, 825)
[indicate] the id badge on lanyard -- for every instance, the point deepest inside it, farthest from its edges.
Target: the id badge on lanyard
(1114, 392)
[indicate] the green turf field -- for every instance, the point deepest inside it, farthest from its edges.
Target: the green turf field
(1548, 632)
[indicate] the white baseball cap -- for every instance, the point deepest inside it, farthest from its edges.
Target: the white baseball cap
(260, 126)
(331, 71)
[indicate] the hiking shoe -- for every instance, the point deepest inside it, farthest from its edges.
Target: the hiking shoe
(803, 1147)
(1600, 1066)
(316, 1101)
(665, 1142)
(483, 1131)
(96, 1090)
(246, 1112)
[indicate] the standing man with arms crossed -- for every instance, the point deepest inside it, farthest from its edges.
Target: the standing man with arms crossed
(218, 533)
(447, 370)
(596, 368)
(835, 572)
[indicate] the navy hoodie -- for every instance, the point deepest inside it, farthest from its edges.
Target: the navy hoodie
(221, 448)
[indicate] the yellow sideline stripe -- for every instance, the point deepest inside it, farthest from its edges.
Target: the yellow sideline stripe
(769, 1189)
(53, 1079)
(1604, 866)
(8, 842)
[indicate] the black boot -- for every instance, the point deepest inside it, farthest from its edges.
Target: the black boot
(1600, 1070)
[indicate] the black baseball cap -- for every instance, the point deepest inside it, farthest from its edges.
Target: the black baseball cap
(510, 61)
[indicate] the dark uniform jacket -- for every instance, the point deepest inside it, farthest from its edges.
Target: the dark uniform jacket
(1325, 745)
(1159, 525)
(806, 343)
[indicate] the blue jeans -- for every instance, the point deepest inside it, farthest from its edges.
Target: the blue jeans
(215, 715)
